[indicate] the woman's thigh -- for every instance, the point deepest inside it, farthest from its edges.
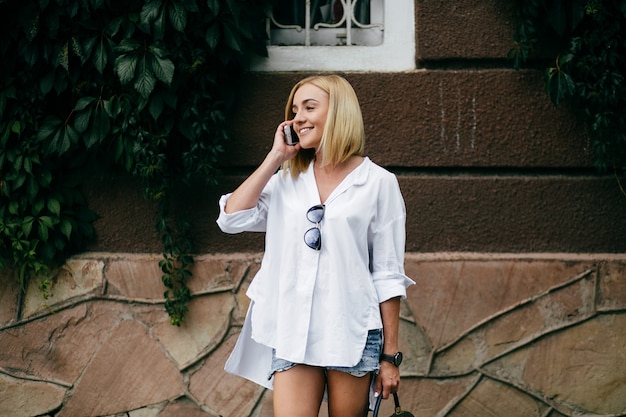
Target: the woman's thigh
(298, 391)
(348, 395)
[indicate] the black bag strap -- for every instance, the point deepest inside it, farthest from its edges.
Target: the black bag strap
(397, 401)
(377, 406)
(379, 399)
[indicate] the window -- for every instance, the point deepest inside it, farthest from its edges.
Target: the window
(327, 23)
(340, 35)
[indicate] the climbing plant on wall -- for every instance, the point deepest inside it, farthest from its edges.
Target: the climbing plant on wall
(144, 86)
(587, 39)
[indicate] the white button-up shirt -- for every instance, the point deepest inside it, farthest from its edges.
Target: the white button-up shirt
(316, 307)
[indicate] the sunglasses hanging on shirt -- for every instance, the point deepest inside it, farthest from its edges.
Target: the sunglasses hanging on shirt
(313, 236)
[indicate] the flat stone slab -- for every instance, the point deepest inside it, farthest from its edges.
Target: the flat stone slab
(76, 278)
(129, 371)
(17, 395)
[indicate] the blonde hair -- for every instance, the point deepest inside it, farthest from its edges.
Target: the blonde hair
(344, 133)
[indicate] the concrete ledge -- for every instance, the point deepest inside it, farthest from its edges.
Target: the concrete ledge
(459, 213)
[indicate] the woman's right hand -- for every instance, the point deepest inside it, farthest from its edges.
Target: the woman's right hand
(280, 148)
(247, 194)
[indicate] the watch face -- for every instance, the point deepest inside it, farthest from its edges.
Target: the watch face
(397, 359)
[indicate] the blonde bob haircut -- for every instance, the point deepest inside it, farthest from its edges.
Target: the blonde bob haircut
(344, 133)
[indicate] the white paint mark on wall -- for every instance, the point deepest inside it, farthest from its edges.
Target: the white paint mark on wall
(457, 135)
(474, 122)
(443, 116)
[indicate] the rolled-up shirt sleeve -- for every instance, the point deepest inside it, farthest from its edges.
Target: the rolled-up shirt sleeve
(387, 262)
(249, 220)
(387, 238)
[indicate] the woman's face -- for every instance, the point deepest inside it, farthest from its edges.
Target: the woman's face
(310, 106)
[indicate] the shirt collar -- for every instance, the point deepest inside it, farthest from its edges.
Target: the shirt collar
(355, 178)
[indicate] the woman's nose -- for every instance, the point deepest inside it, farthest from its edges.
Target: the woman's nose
(298, 117)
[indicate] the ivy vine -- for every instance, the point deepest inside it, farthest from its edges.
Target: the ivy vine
(587, 39)
(143, 86)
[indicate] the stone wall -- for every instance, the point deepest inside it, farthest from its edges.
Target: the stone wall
(511, 335)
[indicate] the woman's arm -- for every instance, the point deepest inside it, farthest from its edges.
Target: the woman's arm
(246, 196)
(388, 378)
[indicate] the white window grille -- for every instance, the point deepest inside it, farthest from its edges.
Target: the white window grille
(340, 35)
(326, 23)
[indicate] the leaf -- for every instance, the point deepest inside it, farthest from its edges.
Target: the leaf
(113, 26)
(99, 128)
(46, 221)
(559, 85)
(83, 102)
(212, 36)
(100, 55)
(214, 6)
(27, 225)
(178, 16)
(66, 228)
(156, 106)
(126, 46)
(54, 206)
(145, 80)
(87, 47)
(14, 207)
(32, 188)
(48, 128)
(28, 166)
(62, 140)
(149, 11)
(231, 37)
(81, 120)
(159, 25)
(163, 69)
(235, 9)
(16, 127)
(45, 178)
(46, 83)
(42, 229)
(125, 67)
(38, 205)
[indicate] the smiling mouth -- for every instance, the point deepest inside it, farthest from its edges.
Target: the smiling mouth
(304, 130)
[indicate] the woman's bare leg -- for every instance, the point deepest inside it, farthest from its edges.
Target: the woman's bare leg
(298, 392)
(348, 396)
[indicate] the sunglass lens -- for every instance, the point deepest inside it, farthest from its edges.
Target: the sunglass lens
(315, 213)
(313, 238)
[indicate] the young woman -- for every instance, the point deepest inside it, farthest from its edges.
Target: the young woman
(324, 311)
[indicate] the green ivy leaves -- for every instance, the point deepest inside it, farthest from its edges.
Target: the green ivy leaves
(92, 86)
(589, 72)
(143, 65)
(559, 84)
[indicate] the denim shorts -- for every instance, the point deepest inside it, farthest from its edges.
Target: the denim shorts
(370, 360)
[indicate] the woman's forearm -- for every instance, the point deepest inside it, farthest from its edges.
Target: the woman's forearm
(390, 313)
(246, 196)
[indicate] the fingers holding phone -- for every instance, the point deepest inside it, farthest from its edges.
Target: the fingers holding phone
(291, 138)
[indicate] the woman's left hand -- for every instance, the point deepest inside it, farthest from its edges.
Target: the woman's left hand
(387, 380)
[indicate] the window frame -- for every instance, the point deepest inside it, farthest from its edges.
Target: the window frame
(395, 54)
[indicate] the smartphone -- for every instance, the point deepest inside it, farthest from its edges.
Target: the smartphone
(290, 135)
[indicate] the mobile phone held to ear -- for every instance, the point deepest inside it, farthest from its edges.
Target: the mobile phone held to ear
(290, 135)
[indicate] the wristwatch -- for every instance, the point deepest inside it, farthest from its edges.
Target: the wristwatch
(396, 359)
